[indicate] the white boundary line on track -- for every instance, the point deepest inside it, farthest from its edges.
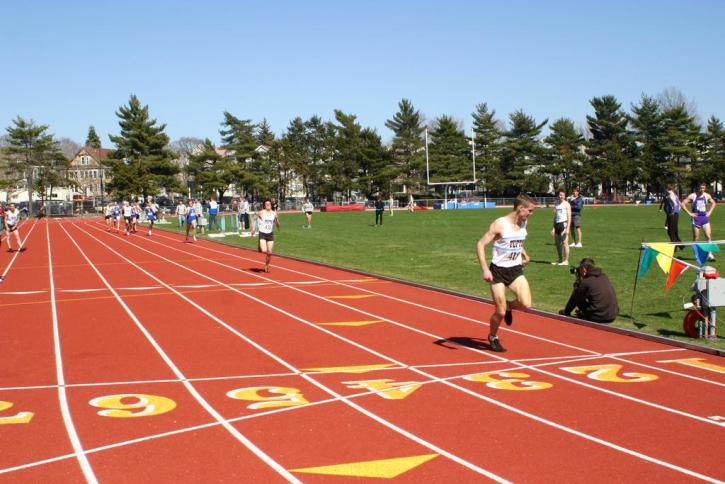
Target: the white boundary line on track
(375, 417)
(490, 400)
(466, 318)
(190, 388)
(244, 417)
(62, 396)
(430, 335)
(15, 256)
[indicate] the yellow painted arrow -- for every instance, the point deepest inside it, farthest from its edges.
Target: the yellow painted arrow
(350, 369)
(384, 469)
(352, 323)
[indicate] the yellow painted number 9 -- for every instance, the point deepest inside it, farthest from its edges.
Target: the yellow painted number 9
(133, 405)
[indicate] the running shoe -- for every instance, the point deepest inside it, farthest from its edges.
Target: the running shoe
(573, 244)
(508, 318)
(496, 344)
(579, 245)
(710, 256)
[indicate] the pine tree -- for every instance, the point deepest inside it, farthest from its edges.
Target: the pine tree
(611, 148)
(92, 139)
(449, 152)
(488, 137)
(564, 153)
(344, 166)
(522, 155)
(239, 137)
(375, 167)
(680, 140)
(34, 155)
(408, 144)
(268, 167)
(141, 163)
(212, 172)
(713, 165)
(646, 120)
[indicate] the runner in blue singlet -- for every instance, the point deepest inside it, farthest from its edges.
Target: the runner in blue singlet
(191, 220)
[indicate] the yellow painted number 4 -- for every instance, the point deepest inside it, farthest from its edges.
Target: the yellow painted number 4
(132, 405)
(610, 373)
(18, 418)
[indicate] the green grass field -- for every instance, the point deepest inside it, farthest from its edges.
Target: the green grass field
(437, 248)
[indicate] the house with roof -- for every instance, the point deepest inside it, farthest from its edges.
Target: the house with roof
(88, 172)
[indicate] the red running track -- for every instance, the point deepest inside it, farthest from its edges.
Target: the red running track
(131, 359)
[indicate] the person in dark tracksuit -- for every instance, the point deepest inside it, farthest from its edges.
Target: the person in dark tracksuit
(379, 209)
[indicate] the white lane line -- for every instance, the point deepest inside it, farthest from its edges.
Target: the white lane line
(377, 418)
(253, 416)
(341, 283)
(3, 276)
(476, 350)
(190, 388)
(62, 396)
(521, 412)
(21, 293)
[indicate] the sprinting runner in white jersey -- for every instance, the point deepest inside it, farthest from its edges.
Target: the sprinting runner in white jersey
(12, 219)
(508, 234)
(264, 221)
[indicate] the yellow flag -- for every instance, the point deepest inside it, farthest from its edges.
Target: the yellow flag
(664, 250)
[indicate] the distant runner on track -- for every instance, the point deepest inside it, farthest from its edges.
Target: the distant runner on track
(191, 221)
(508, 234)
(151, 212)
(264, 221)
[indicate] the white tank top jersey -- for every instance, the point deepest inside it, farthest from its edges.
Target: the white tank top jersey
(11, 217)
(266, 221)
(308, 207)
(127, 212)
(507, 250)
(561, 215)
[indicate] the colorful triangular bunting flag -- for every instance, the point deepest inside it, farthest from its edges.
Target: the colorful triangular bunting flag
(647, 257)
(676, 269)
(664, 258)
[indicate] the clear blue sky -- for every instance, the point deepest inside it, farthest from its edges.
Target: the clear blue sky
(71, 64)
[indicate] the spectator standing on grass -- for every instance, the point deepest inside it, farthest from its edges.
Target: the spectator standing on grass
(244, 214)
(701, 214)
(560, 231)
(307, 209)
(508, 234)
(411, 203)
(12, 219)
(191, 220)
(265, 221)
(181, 213)
(672, 205)
(213, 211)
(576, 201)
(379, 209)
(391, 201)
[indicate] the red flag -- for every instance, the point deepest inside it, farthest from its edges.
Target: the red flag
(676, 269)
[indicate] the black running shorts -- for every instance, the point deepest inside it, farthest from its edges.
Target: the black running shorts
(505, 275)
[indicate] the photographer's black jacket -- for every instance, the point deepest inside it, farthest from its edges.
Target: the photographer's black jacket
(595, 298)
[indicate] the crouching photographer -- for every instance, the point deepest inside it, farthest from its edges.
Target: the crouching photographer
(593, 297)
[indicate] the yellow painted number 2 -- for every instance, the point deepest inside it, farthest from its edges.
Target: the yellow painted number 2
(18, 418)
(610, 373)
